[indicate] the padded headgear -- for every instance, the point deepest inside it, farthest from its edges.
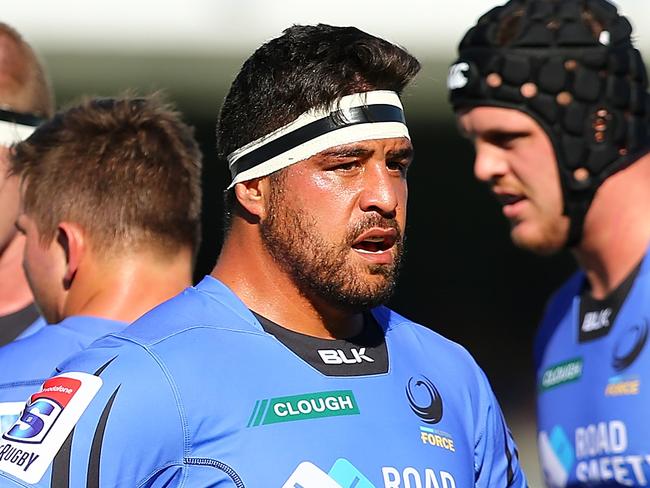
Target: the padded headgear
(586, 86)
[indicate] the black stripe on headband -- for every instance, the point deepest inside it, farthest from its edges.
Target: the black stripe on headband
(21, 118)
(334, 121)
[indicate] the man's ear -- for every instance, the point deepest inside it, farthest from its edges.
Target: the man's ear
(252, 196)
(72, 241)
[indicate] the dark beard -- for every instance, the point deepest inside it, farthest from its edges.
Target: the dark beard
(320, 269)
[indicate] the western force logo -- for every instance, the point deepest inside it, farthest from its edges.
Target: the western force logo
(438, 438)
(623, 386)
(629, 345)
(561, 373)
(424, 399)
(303, 407)
(457, 77)
(29, 446)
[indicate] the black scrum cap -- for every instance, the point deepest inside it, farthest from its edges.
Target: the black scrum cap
(571, 65)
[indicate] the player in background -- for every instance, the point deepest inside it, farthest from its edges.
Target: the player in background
(283, 368)
(110, 215)
(26, 99)
(554, 97)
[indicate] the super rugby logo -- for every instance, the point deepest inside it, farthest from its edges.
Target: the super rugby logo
(28, 448)
(424, 399)
(43, 409)
(629, 345)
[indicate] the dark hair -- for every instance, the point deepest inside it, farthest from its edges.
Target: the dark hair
(25, 85)
(128, 170)
(307, 66)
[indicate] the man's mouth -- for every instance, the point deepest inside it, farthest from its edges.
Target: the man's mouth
(375, 241)
(509, 199)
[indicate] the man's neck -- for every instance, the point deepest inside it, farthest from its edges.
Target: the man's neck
(617, 229)
(14, 289)
(265, 288)
(125, 288)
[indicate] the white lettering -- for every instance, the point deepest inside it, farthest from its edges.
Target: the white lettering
(345, 402)
(596, 320)
(618, 436)
(278, 412)
(391, 477)
(606, 473)
(304, 406)
(430, 478)
(318, 407)
(620, 471)
(601, 438)
(338, 356)
(360, 355)
(332, 404)
(447, 480)
(411, 473)
(635, 462)
(410, 477)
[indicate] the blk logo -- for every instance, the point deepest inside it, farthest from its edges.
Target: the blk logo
(424, 399)
(338, 356)
(629, 345)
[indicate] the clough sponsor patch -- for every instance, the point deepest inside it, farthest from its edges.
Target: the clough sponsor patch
(303, 407)
(29, 446)
(561, 373)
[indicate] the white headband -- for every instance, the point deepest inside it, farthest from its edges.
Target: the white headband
(357, 117)
(16, 126)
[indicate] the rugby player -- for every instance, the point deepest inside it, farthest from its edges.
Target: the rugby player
(283, 368)
(110, 214)
(554, 97)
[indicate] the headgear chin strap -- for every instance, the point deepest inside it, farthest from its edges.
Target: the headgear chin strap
(358, 117)
(16, 126)
(586, 89)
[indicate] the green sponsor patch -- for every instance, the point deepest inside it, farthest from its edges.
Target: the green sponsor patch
(303, 407)
(561, 373)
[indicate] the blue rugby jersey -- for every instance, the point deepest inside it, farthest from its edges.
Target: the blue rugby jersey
(592, 398)
(197, 394)
(29, 360)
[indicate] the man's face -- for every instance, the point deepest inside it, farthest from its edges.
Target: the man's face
(44, 265)
(335, 221)
(514, 156)
(9, 201)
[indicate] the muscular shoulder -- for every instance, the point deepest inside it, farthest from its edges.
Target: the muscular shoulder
(425, 343)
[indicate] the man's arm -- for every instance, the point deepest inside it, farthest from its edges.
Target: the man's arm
(496, 457)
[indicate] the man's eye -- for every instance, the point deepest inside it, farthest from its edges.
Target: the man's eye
(347, 166)
(400, 166)
(504, 139)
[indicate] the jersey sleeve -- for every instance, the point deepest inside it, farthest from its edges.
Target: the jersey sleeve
(496, 457)
(111, 417)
